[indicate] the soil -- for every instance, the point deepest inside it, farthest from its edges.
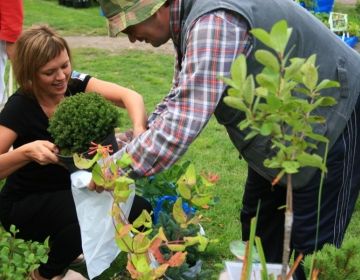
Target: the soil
(116, 45)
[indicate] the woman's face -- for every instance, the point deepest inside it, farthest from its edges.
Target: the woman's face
(53, 77)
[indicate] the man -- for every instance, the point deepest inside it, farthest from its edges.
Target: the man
(11, 20)
(208, 36)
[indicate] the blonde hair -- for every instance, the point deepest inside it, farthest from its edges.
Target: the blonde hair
(35, 47)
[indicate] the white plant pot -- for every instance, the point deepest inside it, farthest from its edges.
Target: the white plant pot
(233, 270)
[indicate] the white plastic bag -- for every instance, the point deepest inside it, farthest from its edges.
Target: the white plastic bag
(96, 224)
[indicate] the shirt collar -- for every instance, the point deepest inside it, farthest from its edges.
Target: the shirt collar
(175, 24)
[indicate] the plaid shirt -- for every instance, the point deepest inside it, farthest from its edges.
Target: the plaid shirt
(214, 41)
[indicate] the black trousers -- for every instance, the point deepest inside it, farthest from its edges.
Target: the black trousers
(53, 214)
(339, 195)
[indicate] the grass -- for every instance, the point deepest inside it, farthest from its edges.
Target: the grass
(211, 151)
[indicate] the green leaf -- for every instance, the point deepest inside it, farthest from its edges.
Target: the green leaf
(265, 129)
(178, 212)
(311, 160)
(262, 36)
(184, 190)
(252, 134)
(267, 59)
(318, 137)
(273, 102)
(293, 70)
(234, 92)
(316, 119)
(325, 101)
(290, 167)
(279, 36)
(201, 200)
(228, 81)
(235, 102)
(327, 84)
(248, 89)
(239, 70)
(267, 82)
(125, 160)
(310, 75)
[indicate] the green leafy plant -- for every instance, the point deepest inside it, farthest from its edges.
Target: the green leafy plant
(151, 250)
(273, 110)
(18, 257)
(336, 263)
(82, 119)
(357, 7)
(353, 29)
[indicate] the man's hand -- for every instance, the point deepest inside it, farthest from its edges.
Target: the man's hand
(99, 189)
(122, 140)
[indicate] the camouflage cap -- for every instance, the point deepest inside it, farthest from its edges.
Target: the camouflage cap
(122, 13)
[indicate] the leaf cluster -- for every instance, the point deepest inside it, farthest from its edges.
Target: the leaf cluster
(273, 109)
(18, 257)
(147, 258)
(82, 119)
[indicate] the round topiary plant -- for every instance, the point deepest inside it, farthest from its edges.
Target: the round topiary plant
(82, 119)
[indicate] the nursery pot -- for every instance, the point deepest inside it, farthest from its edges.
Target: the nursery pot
(86, 3)
(69, 160)
(77, 3)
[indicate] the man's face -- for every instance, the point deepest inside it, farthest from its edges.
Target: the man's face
(154, 30)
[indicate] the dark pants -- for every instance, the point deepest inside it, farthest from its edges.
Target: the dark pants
(340, 192)
(54, 214)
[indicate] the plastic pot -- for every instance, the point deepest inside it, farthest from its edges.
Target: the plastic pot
(69, 160)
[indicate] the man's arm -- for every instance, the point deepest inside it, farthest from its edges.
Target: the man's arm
(215, 40)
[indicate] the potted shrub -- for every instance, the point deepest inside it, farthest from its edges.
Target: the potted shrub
(289, 133)
(336, 263)
(80, 120)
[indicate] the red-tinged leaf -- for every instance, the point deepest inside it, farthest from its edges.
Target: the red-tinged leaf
(115, 210)
(159, 271)
(178, 212)
(154, 249)
(123, 230)
(141, 243)
(133, 272)
(206, 207)
(177, 259)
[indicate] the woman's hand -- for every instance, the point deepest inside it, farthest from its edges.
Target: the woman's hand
(42, 152)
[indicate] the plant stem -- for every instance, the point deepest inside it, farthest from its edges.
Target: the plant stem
(289, 215)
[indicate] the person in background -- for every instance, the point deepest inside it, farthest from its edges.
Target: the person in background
(11, 20)
(37, 195)
(207, 37)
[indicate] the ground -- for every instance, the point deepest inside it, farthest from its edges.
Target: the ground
(115, 44)
(122, 43)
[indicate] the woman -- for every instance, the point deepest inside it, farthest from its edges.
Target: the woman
(37, 197)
